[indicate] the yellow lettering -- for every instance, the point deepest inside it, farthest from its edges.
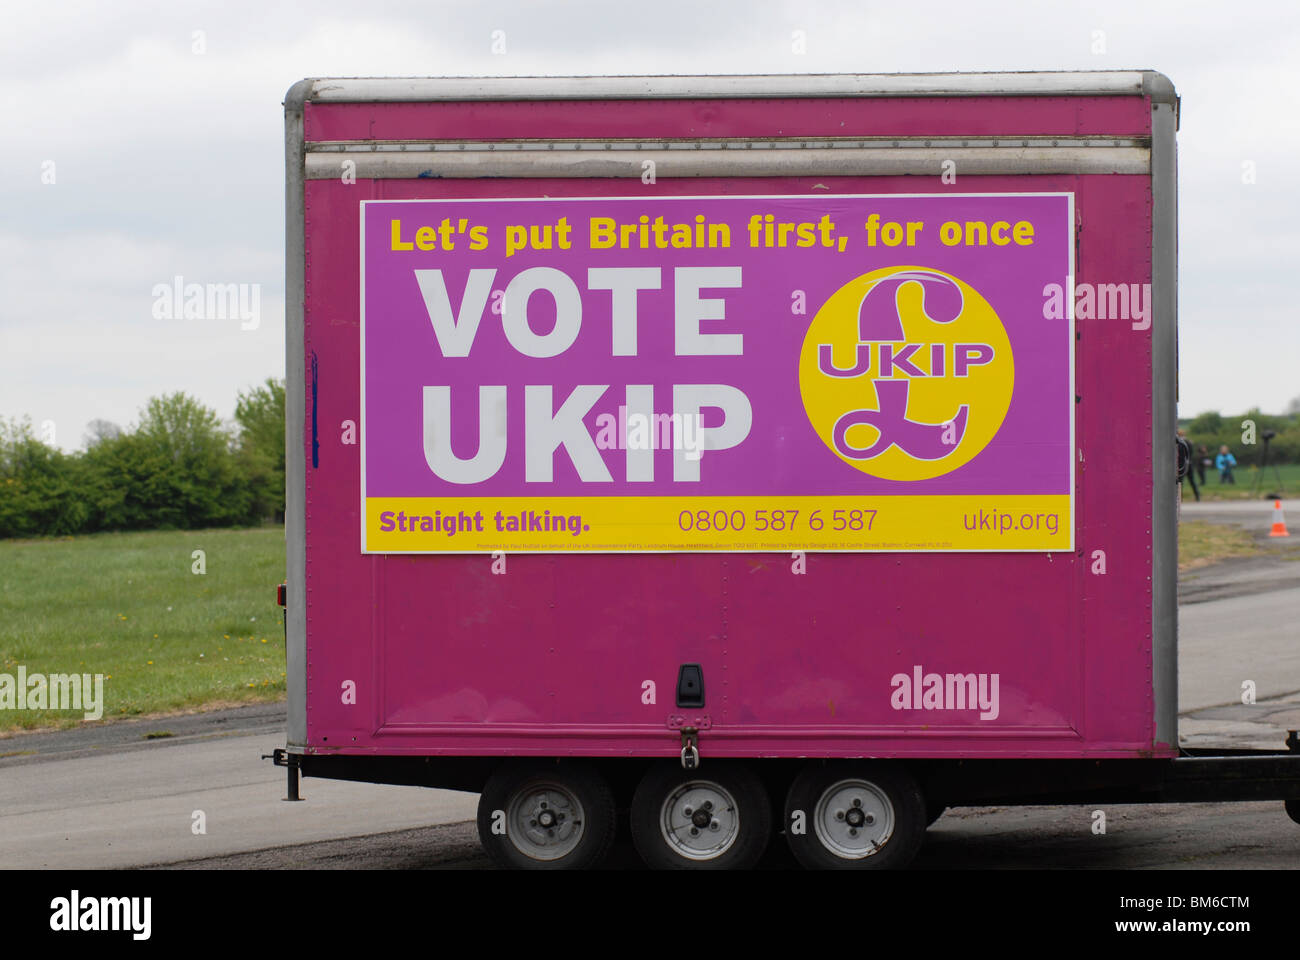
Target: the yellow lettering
(398, 243)
(516, 239)
(602, 233)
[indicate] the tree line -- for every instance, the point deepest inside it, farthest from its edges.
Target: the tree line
(180, 467)
(1244, 435)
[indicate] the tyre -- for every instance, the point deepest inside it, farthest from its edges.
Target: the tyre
(546, 815)
(855, 816)
(714, 818)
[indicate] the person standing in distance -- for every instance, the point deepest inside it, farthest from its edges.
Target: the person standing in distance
(1224, 462)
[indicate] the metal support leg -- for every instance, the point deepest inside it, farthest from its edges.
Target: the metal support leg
(283, 758)
(292, 769)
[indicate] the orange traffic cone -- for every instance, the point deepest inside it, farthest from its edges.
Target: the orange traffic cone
(1279, 522)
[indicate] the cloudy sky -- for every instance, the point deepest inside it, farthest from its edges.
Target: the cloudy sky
(144, 142)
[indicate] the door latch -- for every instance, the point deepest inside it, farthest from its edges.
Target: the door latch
(690, 748)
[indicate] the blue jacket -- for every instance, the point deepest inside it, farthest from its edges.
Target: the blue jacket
(1224, 459)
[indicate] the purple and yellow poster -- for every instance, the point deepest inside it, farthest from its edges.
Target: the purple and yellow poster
(769, 373)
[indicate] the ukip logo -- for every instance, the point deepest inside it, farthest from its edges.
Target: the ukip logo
(906, 373)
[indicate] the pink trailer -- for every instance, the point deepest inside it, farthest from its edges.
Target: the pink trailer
(736, 453)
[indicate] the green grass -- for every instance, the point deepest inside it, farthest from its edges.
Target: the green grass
(1201, 543)
(1245, 477)
(129, 606)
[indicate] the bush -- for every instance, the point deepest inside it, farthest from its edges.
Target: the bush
(260, 415)
(38, 486)
(179, 468)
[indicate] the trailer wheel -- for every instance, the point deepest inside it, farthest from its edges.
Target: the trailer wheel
(855, 816)
(1293, 809)
(546, 816)
(717, 818)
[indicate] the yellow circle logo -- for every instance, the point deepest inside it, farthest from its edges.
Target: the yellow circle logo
(906, 373)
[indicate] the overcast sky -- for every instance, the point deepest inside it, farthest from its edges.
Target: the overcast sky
(169, 162)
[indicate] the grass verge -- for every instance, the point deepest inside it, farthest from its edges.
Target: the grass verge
(1201, 543)
(132, 607)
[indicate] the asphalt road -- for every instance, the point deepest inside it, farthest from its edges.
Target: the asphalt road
(117, 799)
(1239, 622)
(135, 793)
(1209, 836)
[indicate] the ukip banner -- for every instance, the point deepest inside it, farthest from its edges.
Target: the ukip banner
(728, 373)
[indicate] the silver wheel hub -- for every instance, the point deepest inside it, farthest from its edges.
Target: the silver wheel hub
(545, 821)
(853, 819)
(699, 820)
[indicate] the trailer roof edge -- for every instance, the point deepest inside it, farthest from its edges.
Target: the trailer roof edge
(297, 95)
(1055, 83)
